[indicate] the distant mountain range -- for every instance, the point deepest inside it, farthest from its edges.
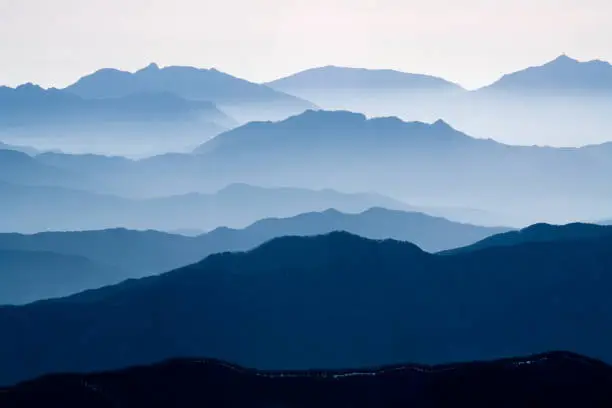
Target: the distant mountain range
(555, 379)
(415, 161)
(240, 98)
(121, 254)
(29, 209)
(427, 165)
(561, 103)
(51, 119)
(331, 301)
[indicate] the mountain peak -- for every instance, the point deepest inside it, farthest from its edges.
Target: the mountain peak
(564, 59)
(151, 67)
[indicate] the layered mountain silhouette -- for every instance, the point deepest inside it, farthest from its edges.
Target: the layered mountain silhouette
(331, 301)
(563, 102)
(555, 379)
(539, 233)
(377, 92)
(427, 165)
(28, 276)
(30, 209)
(142, 253)
(415, 161)
(52, 118)
(240, 98)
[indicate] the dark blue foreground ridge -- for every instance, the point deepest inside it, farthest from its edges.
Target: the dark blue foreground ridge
(554, 379)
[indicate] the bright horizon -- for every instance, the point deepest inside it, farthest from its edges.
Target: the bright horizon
(473, 43)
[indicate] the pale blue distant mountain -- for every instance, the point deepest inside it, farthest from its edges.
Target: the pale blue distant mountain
(337, 78)
(236, 96)
(563, 75)
(32, 105)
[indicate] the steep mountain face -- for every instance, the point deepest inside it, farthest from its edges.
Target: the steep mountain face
(191, 83)
(144, 253)
(563, 75)
(557, 379)
(329, 302)
(28, 276)
(539, 233)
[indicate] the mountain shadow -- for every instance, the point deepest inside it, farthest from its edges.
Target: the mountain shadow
(331, 301)
(555, 379)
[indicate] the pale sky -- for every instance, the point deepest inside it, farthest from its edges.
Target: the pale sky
(472, 42)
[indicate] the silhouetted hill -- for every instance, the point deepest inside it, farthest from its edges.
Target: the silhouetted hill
(190, 83)
(331, 301)
(563, 75)
(554, 380)
(334, 78)
(28, 276)
(539, 233)
(144, 253)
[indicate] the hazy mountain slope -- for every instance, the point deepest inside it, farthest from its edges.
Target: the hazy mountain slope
(33, 209)
(20, 168)
(328, 301)
(23, 149)
(142, 123)
(32, 105)
(539, 233)
(556, 379)
(192, 83)
(28, 276)
(416, 162)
